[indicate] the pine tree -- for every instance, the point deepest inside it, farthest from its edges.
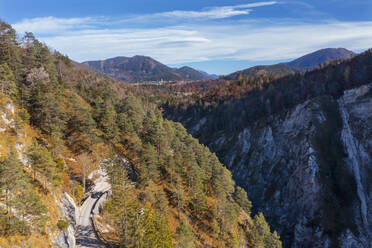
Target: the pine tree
(32, 58)
(242, 199)
(123, 207)
(150, 165)
(30, 207)
(7, 81)
(134, 110)
(155, 230)
(20, 198)
(262, 237)
(12, 179)
(108, 121)
(81, 127)
(9, 47)
(185, 236)
(42, 164)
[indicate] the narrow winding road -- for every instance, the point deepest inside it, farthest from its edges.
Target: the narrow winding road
(86, 234)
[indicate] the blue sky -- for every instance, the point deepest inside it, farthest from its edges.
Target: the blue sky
(217, 36)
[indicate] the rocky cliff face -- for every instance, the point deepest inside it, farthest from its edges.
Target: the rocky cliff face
(309, 170)
(68, 210)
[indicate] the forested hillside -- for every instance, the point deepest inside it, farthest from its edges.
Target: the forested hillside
(140, 69)
(278, 70)
(58, 124)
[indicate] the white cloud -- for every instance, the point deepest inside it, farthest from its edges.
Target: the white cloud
(52, 25)
(217, 12)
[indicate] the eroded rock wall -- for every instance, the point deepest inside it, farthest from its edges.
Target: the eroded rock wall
(309, 170)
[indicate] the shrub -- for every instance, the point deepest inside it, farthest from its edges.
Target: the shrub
(63, 224)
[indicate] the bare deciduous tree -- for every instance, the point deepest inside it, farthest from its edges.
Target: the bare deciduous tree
(87, 165)
(37, 76)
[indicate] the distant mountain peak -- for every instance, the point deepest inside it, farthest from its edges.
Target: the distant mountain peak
(141, 68)
(185, 68)
(316, 58)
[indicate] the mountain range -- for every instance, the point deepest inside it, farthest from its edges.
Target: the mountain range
(140, 69)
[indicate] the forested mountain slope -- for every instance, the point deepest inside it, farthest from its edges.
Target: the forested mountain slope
(139, 69)
(300, 145)
(269, 70)
(190, 74)
(59, 124)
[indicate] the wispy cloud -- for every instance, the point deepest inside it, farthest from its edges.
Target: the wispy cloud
(53, 25)
(217, 12)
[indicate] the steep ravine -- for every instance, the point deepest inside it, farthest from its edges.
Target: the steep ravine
(309, 169)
